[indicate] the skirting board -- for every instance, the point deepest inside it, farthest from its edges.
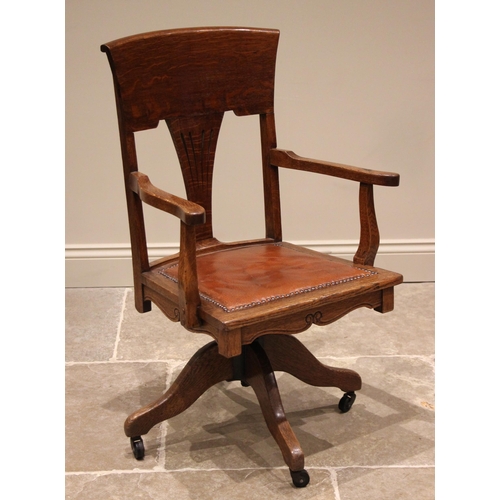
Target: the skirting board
(101, 266)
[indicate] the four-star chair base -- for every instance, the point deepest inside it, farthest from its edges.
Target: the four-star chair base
(255, 368)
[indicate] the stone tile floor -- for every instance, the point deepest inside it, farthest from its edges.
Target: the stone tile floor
(118, 360)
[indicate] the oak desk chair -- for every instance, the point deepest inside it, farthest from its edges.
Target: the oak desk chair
(249, 296)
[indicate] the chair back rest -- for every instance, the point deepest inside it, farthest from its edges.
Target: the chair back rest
(186, 72)
(189, 78)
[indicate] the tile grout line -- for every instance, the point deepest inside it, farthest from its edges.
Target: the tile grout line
(159, 470)
(357, 356)
(335, 483)
(395, 466)
(119, 328)
(426, 357)
(172, 362)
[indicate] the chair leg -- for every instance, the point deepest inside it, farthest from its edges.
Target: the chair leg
(260, 376)
(286, 353)
(205, 369)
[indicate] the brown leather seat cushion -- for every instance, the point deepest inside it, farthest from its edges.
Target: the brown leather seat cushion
(249, 276)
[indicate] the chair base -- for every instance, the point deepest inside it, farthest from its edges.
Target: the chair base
(255, 368)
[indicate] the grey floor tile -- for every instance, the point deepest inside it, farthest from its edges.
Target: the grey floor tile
(199, 485)
(99, 397)
(391, 422)
(153, 336)
(384, 484)
(220, 447)
(92, 318)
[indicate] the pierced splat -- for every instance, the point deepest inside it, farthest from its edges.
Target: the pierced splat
(195, 140)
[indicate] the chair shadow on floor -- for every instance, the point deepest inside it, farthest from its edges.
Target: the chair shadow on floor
(225, 429)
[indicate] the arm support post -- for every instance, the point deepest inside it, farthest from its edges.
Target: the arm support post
(189, 295)
(369, 238)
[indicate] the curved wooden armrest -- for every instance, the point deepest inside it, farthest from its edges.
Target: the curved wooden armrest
(369, 238)
(188, 212)
(288, 159)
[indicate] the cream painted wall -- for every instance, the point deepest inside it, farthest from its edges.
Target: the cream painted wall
(354, 84)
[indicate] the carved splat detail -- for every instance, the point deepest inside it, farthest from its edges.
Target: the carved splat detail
(195, 140)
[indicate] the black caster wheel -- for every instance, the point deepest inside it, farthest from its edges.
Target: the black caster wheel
(346, 401)
(137, 447)
(300, 478)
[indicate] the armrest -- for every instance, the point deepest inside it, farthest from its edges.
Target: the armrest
(369, 237)
(288, 159)
(188, 212)
(191, 214)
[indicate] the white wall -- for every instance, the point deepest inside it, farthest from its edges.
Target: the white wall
(354, 84)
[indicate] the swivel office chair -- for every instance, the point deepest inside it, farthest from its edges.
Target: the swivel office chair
(250, 297)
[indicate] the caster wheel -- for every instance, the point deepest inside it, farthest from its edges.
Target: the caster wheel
(137, 447)
(300, 478)
(346, 401)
